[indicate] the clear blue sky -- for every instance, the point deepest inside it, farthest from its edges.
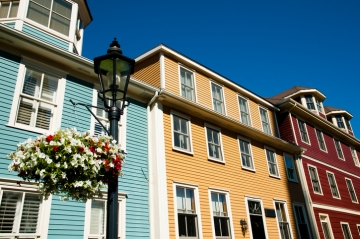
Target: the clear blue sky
(264, 46)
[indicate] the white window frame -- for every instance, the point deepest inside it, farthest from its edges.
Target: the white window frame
(58, 103)
(318, 179)
(197, 209)
(336, 117)
(320, 105)
(122, 122)
(337, 188)
(251, 154)
(300, 121)
(302, 208)
(44, 208)
(10, 6)
(227, 197)
(313, 102)
(248, 109)
(194, 82)
(352, 185)
(355, 156)
(188, 123)
(255, 199)
(325, 218)
(323, 139)
(275, 201)
(348, 127)
(293, 167)
(222, 159)
(121, 217)
(223, 109)
(268, 120)
(337, 150)
(266, 148)
(348, 227)
(358, 228)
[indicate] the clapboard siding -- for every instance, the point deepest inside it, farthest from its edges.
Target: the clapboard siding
(198, 170)
(148, 71)
(10, 24)
(232, 106)
(203, 90)
(134, 182)
(45, 37)
(172, 79)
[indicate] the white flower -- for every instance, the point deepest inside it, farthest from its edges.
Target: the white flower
(65, 165)
(99, 150)
(42, 155)
(42, 172)
(78, 184)
(63, 175)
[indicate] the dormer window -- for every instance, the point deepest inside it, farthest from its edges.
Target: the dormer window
(340, 122)
(310, 102)
(347, 122)
(8, 9)
(319, 106)
(54, 14)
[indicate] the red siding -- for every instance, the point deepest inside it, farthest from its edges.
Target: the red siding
(286, 132)
(322, 115)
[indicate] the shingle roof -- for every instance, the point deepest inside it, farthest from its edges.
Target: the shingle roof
(290, 91)
(330, 108)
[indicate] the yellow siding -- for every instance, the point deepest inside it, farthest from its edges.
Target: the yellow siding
(232, 106)
(255, 115)
(148, 71)
(273, 123)
(203, 90)
(197, 169)
(172, 80)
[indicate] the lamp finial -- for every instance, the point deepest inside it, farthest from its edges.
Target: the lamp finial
(114, 46)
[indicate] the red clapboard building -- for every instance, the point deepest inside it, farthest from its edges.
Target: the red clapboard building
(329, 167)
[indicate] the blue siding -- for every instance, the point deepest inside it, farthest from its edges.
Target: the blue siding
(133, 182)
(10, 24)
(9, 137)
(45, 37)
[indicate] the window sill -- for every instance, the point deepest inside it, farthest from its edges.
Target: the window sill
(274, 176)
(216, 160)
(293, 180)
(183, 151)
(320, 194)
(30, 129)
(248, 169)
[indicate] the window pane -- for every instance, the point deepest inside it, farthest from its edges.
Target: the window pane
(30, 214)
(32, 83)
(62, 8)
(49, 88)
(25, 111)
(38, 14)
(45, 3)
(44, 116)
(191, 225)
(346, 230)
(10, 201)
(60, 24)
(4, 9)
(97, 217)
(14, 9)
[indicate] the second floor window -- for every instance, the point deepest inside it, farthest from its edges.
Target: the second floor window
(303, 131)
(244, 111)
(321, 140)
(187, 84)
(315, 180)
(265, 121)
(351, 189)
(340, 122)
(8, 9)
(333, 186)
(218, 98)
(245, 151)
(181, 136)
(54, 14)
(220, 215)
(309, 102)
(355, 157)
(272, 162)
(338, 149)
(290, 168)
(214, 143)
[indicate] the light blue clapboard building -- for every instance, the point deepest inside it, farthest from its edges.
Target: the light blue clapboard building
(41, 69)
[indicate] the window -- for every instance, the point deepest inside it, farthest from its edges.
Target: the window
(20, 214)
(355, 157)
(245, 154)
(333, 186)
(301, 222)
(187, 84)
(347, 122)
(244, 111)
(213, 137)
(319, 106)
(321, 140)
(326, 226)
(290, 168)
(338, 149)
(283, 220)
(351, 190)
(265, 121)
(346, 230)
(220, 213)
(303, 131)
(8, 9)
(95, 222)
(272, 162)
(309, 102)
(54, 14)
(358, 228)
(315, 180)
(256, 218)
(218, 98)
(181, 133)
(339, 121)
(187, 212)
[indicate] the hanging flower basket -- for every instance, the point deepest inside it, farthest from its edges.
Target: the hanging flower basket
(69, 163)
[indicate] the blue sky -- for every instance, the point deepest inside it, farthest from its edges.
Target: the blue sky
(264, 46)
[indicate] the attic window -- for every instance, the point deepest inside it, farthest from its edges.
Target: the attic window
(310, 102)
(347, 122)
(340, 122)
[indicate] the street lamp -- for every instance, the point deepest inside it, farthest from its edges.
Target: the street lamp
(114, 71)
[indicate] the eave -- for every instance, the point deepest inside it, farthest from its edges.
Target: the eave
(318, 94)
(340, 112)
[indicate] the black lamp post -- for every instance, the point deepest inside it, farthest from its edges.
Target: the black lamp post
(114, 71)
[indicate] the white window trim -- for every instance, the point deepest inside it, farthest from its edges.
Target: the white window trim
(287, 215)
(345, 223)
(255, 199)
(356, 159)
(268, 117)
(318, 178)
(194, 78)
(221, 144)
(322, 134)
(328, 221)
(295, 172)
(304, 103)
(248, 105)
(302, 206)
(227, 196)
(337, 188)
(45, 206)
(197, 206)
(358, 228)
(357, 200)
(58, 104)
(267, 162)
(191, 151)
(7, 17)
(121, 216)
(223, 95)
(307, 132)
(251, 152)
(342, 151)
(122, 121)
